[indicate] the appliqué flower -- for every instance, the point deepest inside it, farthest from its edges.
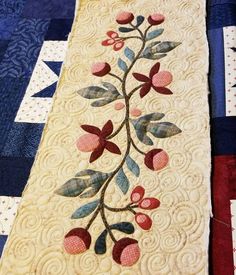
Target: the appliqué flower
(156, 19)
(100, 69)
(156, 80)
(124, 17)
(96, 141)
(156, 159)
(114, 40)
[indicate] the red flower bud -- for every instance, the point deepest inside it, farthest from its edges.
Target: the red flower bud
(156, 159)
(124, 17)
(143, 220)
(126, 252)
(77, 241)
(137, 194)
(149, 203)
(88, 142)
(156, 19)
(100, 68)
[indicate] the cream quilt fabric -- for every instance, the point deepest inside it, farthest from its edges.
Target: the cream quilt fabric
(145, 142)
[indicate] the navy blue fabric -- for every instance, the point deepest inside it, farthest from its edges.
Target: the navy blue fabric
(3, 239)
(11, 8)
(3, 48)
(221, 16)
(23, 140)
(14, 173)
(224, 135)
(55, 66)
(12, 91)
(59, 29)
(7, 27)
(217, 72)
(49, 9)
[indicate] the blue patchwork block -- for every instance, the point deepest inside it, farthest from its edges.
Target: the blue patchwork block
(12, 91)
(221, 16)
(24, 47)
(217, 72)
(11, 8)
(14, 174)
(3, 239)
(49, 9)
(224, 135)
(7, 27)
(59, 29)
(3, 48)
(23, 140)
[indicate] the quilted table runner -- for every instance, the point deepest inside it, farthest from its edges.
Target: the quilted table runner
(120, 184)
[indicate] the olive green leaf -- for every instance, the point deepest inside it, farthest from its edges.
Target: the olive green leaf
(85, 210)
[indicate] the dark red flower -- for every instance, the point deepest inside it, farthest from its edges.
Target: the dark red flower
(156, 19)
(114, 40)
(156, 80)
(100, 69)
(126, 252)
(96, 141)
(77, 241)
(156, 159)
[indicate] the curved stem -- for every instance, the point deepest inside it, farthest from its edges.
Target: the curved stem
(118, 130)
(93, 218)
(115, 76)
(128, 207)
(102, 205)
(135, 89)
(136, 148)
(136, 37)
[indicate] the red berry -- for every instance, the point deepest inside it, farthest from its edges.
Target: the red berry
(77, 241)
(149, 203)
(100, 68)
(137, 194)
(156, 19)
(124, 17)
(126, 252)
(156, 159)
(143, 220)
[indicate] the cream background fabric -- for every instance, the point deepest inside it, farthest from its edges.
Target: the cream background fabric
(178, 241)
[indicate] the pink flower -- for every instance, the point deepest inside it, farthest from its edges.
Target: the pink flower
(124, 17)
(156, 159)
(149, 203)
(156, 19)
(114, 40)
(156, 80)
(100, 68)
(143, 220)
(96, 141)
(126, 252)
(77, 241)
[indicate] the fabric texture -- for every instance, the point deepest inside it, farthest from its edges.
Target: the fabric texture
(163, 154)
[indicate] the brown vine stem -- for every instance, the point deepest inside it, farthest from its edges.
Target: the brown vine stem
(136, 148)
(115, 76)
(102, 205)
(116, 209)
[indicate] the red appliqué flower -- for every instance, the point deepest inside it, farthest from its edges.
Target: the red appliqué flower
(114, 40)
(156, 80)
(96, 141)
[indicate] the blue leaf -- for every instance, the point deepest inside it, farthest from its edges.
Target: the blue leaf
(124, 29)
(139, 20)
(125, 227)
(100, 244)
(122, 181)
(133, 166)
(122, 65)
(154, 34)
(85, 210)
(129, 54)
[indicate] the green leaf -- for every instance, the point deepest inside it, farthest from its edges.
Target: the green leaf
(153, 56)
(150, 117)
(139, 20)
(129, 54)
(133, 166)
(100, 244)
(85, 210)
(153, 34)
(124, 29)
(73, 187)
(93, 92)
(111, 88)
(141, 132)
(122, 181)
(163, 129)
(166, 46)
(102, 102)
(122, 65)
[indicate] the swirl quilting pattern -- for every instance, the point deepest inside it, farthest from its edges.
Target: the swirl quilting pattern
(176, 243)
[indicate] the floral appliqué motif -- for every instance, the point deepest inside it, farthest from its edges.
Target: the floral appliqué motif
(90, 183)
